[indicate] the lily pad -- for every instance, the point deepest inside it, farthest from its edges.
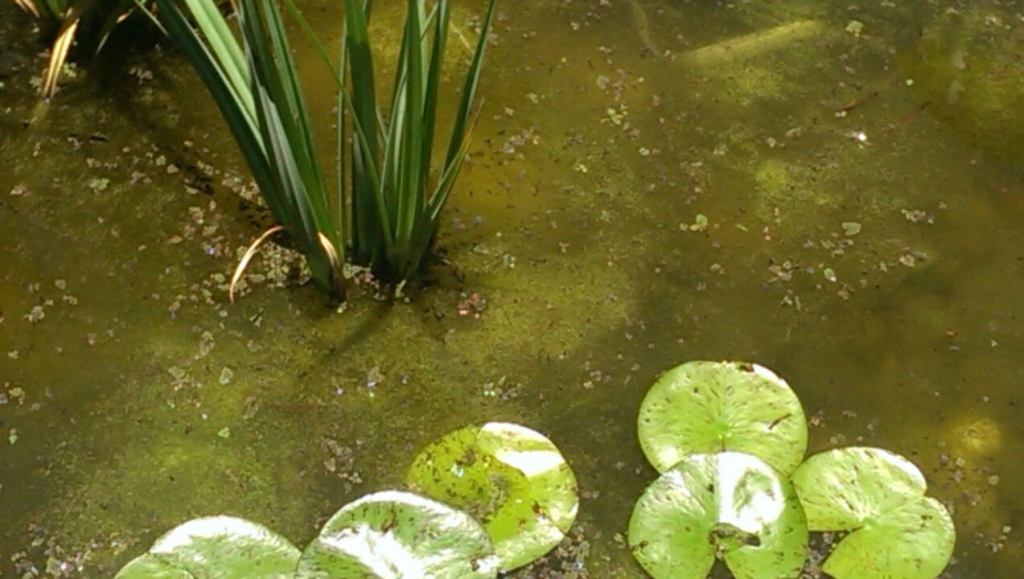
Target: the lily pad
(844, 488)
(915, 541)
(709, 407)
(394, 534)
(216, 548)
(511, 478)
(151, 567)
(729, 504)
(879, 495)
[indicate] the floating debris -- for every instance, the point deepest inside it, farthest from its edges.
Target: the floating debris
(98, 184)
(700, 223)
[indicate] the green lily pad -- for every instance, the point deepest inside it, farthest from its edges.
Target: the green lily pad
(844, 488)
(151, 567)
(729, 504)
(394, 534)
(511, 478)
(879, 495)
(914, 541)
(709, 407)
(216, 548)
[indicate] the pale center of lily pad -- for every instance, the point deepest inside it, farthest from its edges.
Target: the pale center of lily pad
(531, 462)
(750, 499)
(382, 552)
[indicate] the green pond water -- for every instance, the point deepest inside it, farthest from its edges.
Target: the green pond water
(838, 197)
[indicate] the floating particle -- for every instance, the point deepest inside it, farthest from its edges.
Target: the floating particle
(851, 228)
(700, 222)
(36, 315)
(98, 184)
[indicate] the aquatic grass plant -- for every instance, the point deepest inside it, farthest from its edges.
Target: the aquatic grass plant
(68, 16)
(385, 210)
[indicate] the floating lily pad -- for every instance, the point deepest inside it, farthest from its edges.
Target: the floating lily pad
(914, 541)
(879, 495)
(846, 487)
(395, 534)
(511, 478)
(709, 407)
(732, 504)
(216, 548)
(151, 567)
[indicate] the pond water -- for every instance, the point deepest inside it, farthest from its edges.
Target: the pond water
(832, 190)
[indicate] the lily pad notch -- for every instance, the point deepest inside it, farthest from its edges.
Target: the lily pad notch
(731, 505)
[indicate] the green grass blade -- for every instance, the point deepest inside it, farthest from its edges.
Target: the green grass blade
(345, 221)
(369, 210)
(470, 87)
(240, 120)
(366, 190)
(442, 15)
(337, 207)
(364, 94)
(302, 126)
(223, 45)
(287, 134)
(412, 157)
(446, 183)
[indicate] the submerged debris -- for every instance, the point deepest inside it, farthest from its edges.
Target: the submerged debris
(472, 304)
(566, 561)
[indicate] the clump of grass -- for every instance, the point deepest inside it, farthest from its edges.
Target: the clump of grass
(68, 16)
(385, 210)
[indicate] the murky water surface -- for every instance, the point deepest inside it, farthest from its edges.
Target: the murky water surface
(832, 190)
